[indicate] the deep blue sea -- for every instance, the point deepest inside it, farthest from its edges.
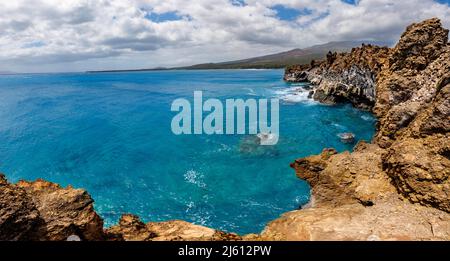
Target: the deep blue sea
(110, 133)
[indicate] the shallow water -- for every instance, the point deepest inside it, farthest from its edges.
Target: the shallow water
(110, 134)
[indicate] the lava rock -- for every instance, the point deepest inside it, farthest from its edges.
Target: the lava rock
(347, 137)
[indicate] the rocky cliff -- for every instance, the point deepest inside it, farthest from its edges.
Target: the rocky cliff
(343, 77)
(42, 210)
(396, 188)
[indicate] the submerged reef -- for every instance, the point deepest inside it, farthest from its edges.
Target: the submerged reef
(395, 188)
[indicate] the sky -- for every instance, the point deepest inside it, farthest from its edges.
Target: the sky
(80, 35)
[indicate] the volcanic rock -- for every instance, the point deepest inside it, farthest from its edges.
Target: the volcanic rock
(42, 210)
(397, 188)
(131, 228)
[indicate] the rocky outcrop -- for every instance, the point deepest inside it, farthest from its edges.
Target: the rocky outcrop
(353, 198)
(64, 211)
(42, 210)
(394, 220)
(420, 169)
(343, 77)
(19, 216)
(414, 115)
(397, 188)
(131, 228)
(338, 179)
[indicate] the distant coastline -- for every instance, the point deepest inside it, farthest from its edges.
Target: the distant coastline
(178, 69)
(272, 61)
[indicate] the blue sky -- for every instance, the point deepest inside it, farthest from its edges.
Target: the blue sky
(79, 35)
(163, 17)
(443, 1)
(289, 14)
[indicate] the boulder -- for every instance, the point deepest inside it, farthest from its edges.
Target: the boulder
(347, 137)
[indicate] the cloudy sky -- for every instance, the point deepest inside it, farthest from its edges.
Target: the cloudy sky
(79, 35)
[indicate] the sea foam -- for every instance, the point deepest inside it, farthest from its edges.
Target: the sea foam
(294, 95)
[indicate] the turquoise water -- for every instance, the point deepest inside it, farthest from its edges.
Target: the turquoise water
(110, 134)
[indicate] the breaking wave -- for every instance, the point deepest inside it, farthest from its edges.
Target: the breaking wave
(294, 95)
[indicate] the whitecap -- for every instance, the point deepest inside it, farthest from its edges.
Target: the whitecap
(189, 206)
(193, 177)
(294, 95)
(296, 98)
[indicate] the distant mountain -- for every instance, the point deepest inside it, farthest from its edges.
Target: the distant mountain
(281, 60)
(278, 60)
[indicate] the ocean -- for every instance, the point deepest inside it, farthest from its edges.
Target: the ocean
(110, 133)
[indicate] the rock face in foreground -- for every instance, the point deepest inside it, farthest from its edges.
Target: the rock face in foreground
(42, 210)
(130, 228)
(19, 217)
(397, 188)
(354, 199)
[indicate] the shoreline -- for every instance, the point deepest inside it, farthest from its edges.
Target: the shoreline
(394, 188)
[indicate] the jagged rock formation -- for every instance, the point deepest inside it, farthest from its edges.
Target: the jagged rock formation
(354, 199)
(398, 187)
(19, 216)
(43, 210)
(130, 228)
(344, 76)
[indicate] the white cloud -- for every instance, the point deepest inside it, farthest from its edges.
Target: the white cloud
(53, 35)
